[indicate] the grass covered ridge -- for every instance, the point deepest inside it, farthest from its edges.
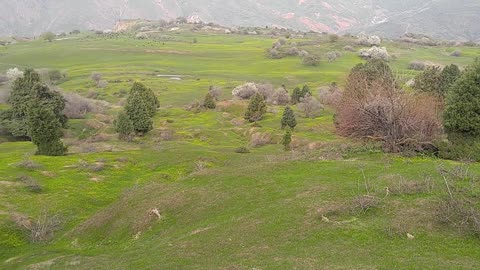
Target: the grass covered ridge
(308, 209)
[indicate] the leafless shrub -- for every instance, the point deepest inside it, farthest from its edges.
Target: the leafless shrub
(310, 106)
(349, 48)
(259, 139)
(194, 106)
(330, 95)
(303, 53)
(31, 183)
(102, 84)
(266, 90)
(215, 91)
(292, 51)
(245, 91)
(274, 53)
(333, 56)
(280, 97)
(200, 166)
(93, 167)
(96, 78)
(76, 106)
(363, 203)
(375, 53)
(28, 163)
(311, 60)
(167, 135)
(401, 186)
(369, 40)
(378, 109)
(40, 229)
(14, 73)
(459, 207)
(417, 65)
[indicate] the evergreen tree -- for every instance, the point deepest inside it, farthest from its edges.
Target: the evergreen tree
(25, 89)
(288, 119)
(287, 139)
(148, 97)
(209, 102)
(16, 117)
(296, 95)
(139, 113)
(44, 128)
(430, 81)
(462, 112)
(256, 108)
(449, 75)
(306, 91)
(124, 127)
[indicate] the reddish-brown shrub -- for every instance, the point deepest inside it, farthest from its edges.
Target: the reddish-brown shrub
(376, 107)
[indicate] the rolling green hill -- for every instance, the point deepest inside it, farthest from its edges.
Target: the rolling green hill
(268, 209)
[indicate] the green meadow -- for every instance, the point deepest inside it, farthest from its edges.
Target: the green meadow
(268, 209)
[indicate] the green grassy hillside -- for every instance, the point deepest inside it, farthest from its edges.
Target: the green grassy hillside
(268, 209)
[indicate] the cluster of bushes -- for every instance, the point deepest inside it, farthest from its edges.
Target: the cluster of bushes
(280, 50)
(374, 106)
(36, 113)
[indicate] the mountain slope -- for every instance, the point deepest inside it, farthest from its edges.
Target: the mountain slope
(439, 18)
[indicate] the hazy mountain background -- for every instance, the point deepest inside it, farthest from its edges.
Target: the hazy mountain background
(446, 19)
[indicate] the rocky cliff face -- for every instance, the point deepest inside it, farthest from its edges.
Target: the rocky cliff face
(450, 19)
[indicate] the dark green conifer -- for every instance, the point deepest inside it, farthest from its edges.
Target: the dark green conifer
(44, 128)
(256, 108)
(124, 127)
(288, 119)
(139, 113)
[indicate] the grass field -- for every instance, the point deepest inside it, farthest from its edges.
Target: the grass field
(268, 209)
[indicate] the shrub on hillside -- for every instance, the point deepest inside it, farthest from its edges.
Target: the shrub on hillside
(330, 95)
(373, 106)
(349, 48)
(215, 92)
(311, 60)
(280, 97)
(375, 53)
(13, 74)
(365, 40)
(333, 56)
(417, 65)
(245, 91)
(310, 106)
(40, 229)
(77, 107)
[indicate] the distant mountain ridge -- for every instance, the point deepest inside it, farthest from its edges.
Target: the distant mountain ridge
(444, 19)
